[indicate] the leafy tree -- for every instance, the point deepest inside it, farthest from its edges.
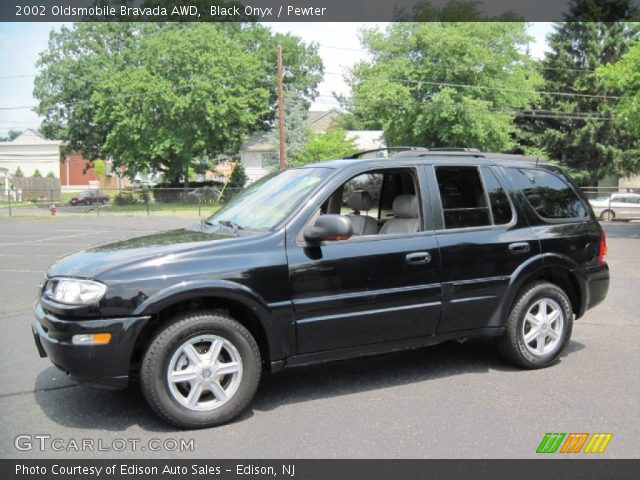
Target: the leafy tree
(36, 174)
(624, 77)
(156, 96)
(51, 174)
(324, 146)
(444, 84)
(99, 168)
(588, 143)
(296, 126)
(237, 181)
(11, 135)
(18, 173)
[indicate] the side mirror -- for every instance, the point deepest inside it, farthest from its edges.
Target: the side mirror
(329, 228)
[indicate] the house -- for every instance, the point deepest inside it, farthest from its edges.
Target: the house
(259, 155)
(31, 152)
(76, 174)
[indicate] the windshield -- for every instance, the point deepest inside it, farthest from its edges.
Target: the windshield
(267, 202)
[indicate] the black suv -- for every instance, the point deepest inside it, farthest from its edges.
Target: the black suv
(329, 261)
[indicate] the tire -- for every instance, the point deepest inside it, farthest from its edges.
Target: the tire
(520, 344)
(608, 215)
(165, 355)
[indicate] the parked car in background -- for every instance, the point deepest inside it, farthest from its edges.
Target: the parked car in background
(89, 197)
(620, 206)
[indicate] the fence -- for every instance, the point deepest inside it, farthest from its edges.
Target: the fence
(201, 200)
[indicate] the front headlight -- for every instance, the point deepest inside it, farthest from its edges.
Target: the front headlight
(74, 291)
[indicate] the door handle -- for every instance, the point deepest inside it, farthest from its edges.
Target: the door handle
(418, 258)
(519, 247)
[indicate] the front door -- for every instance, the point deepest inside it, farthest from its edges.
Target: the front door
(372, 288)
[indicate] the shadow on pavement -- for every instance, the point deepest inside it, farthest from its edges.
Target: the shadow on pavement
(117, 410)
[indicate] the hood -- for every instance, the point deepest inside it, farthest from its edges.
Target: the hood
(98, 260)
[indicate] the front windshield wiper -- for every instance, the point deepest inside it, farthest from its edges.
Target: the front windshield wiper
(227, 224)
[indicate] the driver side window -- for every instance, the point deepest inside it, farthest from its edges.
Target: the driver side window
(382, 202)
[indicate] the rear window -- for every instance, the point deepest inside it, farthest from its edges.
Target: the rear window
(549, 195)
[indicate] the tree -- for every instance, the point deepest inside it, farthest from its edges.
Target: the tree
(99, 169)
(51, 174)
(18, 173)
(11, 135)
(443, 84)
(588, 143)
(237, 181)
(155, 96)
(624, 77)
(36, 174)
(296, 126)
(324, 146)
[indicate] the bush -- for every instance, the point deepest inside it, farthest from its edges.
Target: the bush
(236, 183)
(125, 198)
(36, 174)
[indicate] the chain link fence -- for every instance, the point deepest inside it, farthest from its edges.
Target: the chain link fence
(200, 201)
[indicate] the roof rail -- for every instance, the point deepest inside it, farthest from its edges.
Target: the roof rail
(453, 149)
(385, 149)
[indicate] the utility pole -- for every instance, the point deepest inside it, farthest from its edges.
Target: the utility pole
(283, 161)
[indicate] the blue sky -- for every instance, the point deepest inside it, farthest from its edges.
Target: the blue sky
(20, 44)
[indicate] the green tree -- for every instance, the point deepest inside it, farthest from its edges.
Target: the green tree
(51, 174)
(18, 173)
(588, 143)
(36, 174)
(99, 169)
(11, 135)
(237, 181)
(624, 77)
(296, 126)
(324, 146)
(443, 84)
(156, 96)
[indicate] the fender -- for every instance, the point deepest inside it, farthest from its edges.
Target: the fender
(529, 269)
(275, 318)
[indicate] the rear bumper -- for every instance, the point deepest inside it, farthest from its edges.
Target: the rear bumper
(594, 283)
(102, 365)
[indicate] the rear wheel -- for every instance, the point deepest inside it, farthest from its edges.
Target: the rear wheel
(608, 215)
(200, 370)
(539, 326)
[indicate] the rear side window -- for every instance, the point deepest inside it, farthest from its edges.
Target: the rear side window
(500, 205)
(463, 200)
(549, 195)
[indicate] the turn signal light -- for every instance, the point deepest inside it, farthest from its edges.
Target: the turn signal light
(91, 339)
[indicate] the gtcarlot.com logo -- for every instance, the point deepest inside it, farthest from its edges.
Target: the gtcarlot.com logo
(573, 442)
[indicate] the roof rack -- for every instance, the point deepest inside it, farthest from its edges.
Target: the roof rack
(385, 149)
(453, 149)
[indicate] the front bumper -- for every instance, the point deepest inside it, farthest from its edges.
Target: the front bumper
(102, 365)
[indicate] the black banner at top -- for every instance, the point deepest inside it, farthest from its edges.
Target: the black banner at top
(316, 10)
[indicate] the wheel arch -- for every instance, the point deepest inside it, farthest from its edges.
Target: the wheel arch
(240, 302)
(552, 268)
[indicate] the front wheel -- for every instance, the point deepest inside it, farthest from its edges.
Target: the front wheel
(201, 370)
(539, 326)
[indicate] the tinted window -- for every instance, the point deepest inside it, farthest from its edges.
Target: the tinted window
(549, 195)
(463, 201)
(500, 205)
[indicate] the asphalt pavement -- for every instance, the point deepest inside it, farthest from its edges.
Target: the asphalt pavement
(448, 401)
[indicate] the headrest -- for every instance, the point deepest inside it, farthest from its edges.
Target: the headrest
(360, 200)
(405, 206)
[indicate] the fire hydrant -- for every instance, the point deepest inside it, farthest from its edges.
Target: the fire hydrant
(53, 209)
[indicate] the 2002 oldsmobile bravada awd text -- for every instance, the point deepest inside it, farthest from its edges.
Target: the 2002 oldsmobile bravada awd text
(328, 261)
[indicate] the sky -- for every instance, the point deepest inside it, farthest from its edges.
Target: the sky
(20, 44)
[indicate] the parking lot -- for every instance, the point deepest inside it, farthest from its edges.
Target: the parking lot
(452, 400)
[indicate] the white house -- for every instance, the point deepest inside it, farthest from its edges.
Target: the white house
(30, 151)
(259, 156)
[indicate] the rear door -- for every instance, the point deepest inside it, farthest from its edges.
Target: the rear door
(482, 239)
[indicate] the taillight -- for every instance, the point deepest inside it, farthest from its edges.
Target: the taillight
(602, 256)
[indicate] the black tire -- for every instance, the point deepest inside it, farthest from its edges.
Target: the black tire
(512, 343)
(165, 343)
(608, 215)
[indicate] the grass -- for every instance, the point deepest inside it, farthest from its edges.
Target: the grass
(161, 207)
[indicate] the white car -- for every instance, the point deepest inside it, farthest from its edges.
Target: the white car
(621, 206)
